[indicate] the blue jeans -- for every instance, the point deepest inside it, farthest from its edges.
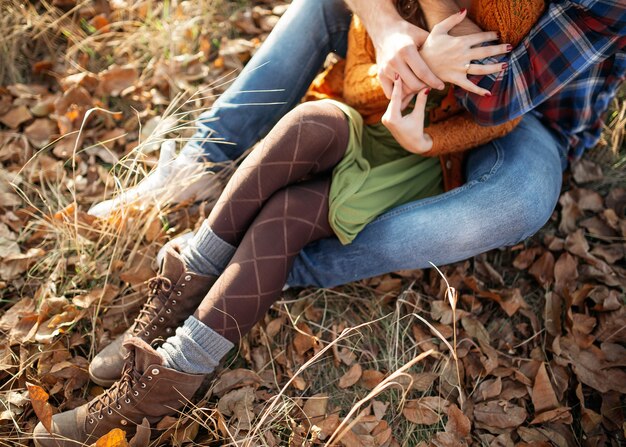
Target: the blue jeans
(513, 183)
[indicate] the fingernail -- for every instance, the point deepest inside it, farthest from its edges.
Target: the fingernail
(488, 94)
(498, 35)
(426, 92)
(462, 11)
(505, 65)
(397, 76)
(509, 47)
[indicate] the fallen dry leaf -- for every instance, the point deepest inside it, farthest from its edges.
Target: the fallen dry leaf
(351, 377)
(114, 438)
(425, 411)
(16, 116)
(543, 395)
(498, 414)
(39, 401)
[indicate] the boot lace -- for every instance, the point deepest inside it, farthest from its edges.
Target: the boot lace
(121, 390)
(159, 286)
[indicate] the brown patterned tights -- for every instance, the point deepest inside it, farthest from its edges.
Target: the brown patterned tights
(274, 204)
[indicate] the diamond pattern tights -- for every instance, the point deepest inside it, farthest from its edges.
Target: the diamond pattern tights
(275, 203)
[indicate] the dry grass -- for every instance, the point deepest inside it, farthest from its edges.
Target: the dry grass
(76, 261)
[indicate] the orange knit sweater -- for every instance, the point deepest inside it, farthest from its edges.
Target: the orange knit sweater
(452, 128)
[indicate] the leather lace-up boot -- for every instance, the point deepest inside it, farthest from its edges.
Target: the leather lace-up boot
(147, 389)
(174, 295)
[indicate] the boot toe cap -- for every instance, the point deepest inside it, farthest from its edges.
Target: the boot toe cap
(106, 367)
(65, 432)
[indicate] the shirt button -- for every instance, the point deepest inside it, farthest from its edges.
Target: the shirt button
(448, 164)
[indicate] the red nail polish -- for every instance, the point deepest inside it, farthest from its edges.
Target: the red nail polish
(488, 94)
(397, 76)
(462, 11)
(509, 47)
(505, 65)
(426, 92)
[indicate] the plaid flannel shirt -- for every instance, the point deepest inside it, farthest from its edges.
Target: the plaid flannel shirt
(566, 71)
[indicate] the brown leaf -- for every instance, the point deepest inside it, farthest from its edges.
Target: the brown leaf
(585, 171)
(552, 314)
(16, 116)
(25, 306)
(489, 389)
(562, 415)
(102, 295)
(238, 404)
(565, 273)
(116, 79)
(499, 414)
(476, 330)
(351, 377)
(328, 425)
(371, 378)
(39, 401)
(13, 266)
(425, 411)
(315, 407)
(543, 269)
(543, 395)
(114, 438)
(526, 257)
(41, 131)
(236, 378)
(304, 340)
(458, 423)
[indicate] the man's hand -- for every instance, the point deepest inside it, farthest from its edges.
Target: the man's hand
(450, 57)
(408, 130)
(397, 53)
(396, 42)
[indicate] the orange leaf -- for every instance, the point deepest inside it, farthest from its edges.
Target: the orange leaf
(114, 438)
(39, 401)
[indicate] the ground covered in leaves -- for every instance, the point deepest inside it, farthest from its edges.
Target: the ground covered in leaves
(524, 346)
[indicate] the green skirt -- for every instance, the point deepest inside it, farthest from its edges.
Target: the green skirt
(375, 175)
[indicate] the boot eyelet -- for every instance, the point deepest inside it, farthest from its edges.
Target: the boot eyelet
(109, 411)
(90, 420)
(143, 385)
(168, 311)
(183, 285)
(124, 422)
(146, 333)
(188, 278)
(100, 417)
(118, 407)
(135, 393)
(127, 400)
(179, 293)
(161, 320)
(149, 377)
(168, 330)
(155, 371)
(174, 302)
(154, 327)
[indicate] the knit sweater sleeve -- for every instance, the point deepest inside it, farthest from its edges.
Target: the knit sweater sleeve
(362, 88)
(460, 132)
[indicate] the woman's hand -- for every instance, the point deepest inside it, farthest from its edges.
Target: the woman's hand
(408, 130)
(397, 53)
(450, 57)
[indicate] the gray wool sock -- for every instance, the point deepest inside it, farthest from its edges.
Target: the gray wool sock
(206, 253)
(195, 349)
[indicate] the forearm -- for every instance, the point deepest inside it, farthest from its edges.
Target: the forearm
(437, 10)
(378, 16)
